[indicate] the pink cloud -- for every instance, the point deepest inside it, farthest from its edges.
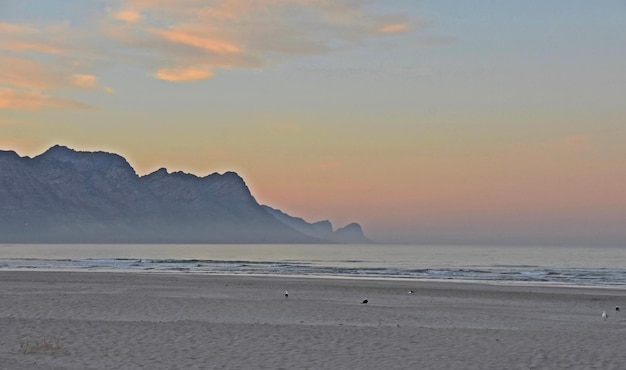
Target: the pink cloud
(211, 44)
(243, 33)
(182, 40)
(16, 45)
(25, 73)
(34, 100)
(183, 74)
(84, 81)
(29, 80)
(16, 37)
(11, 28)
(129, 16)
(394, 28)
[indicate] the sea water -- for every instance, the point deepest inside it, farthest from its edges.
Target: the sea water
(566, 265)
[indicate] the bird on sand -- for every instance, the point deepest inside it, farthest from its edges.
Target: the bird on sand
(616, 308)
(411, 292)
(364, 301)
(604, 315)
(286, 294)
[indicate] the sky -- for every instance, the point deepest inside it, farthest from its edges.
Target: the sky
(430, 122)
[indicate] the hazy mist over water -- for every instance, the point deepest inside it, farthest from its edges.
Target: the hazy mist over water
(561, 265)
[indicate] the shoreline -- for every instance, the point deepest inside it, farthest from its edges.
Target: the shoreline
(503, 283)
(561, 266)
(198, 321)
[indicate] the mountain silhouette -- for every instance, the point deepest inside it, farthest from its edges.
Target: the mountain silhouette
(68, 196)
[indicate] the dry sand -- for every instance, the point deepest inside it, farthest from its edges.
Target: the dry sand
(105, 320)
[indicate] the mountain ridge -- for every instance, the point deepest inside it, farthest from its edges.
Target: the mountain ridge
(69, 196)
(351, 233)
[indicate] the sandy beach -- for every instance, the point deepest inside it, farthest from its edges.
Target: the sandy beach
(76, 320)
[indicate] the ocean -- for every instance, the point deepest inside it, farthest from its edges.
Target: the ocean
(562, 265)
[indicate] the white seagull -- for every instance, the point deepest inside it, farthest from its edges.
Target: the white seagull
(604, 315)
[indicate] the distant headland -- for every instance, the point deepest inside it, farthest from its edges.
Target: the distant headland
(69, 196)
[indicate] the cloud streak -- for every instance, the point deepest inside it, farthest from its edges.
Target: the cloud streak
(34, 100)
(26, 85)
(183, 74)
(26, 38)
(394, 28)
(191, 39)
(128, 16)
(34, 66)
(84, 81)
(178, 41)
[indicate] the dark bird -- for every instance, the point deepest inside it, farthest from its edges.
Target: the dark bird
(286, 294)
(364, 301)
(616, 308)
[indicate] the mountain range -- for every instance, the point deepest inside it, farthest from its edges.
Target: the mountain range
(68, 196)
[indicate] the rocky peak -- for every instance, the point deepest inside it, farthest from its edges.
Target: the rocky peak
(160, 173)
(322, 229)
(9, 154)
(101, 164)
(229, 184)
(352, 233)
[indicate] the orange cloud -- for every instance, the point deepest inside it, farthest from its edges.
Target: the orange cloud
(10, 28)
(28, 79)
(394, 28)
(34, 100)
(27, 84)
(15, 37)
(208, 43)
(24, 73)
(16, 45)
(84, 81)
(183, 74)
(129, 16)
(242, 33)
